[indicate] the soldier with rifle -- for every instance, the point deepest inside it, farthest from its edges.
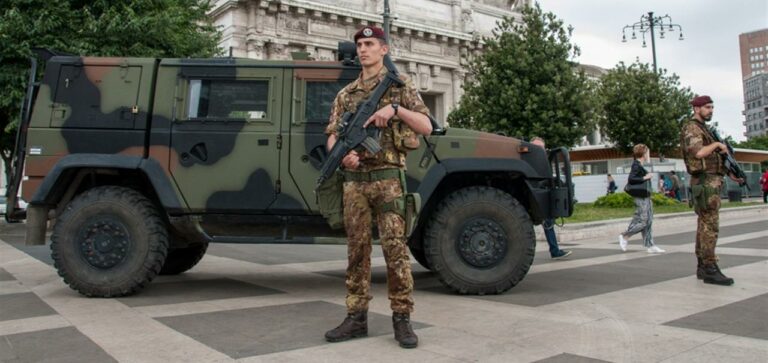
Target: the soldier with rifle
(379, 100)
(707, 159)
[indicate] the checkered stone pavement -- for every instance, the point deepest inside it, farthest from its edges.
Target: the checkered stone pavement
(274, 303)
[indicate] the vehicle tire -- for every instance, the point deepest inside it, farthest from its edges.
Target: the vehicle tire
(182, 259)
(480, 240)
(419, 256)
(109, 241)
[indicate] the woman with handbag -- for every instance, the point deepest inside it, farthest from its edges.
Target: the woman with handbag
(639, 187)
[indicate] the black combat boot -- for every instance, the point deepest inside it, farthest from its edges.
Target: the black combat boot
(355, 325)
(712, 275)
(700, 269)
(401, 323)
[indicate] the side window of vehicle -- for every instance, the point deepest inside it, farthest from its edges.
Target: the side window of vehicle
(320, 96)
(214, 99)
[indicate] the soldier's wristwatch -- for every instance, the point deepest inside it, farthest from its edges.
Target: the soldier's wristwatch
(394, 107)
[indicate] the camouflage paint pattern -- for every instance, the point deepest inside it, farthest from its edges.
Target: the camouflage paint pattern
(265, 165)
(360, 201)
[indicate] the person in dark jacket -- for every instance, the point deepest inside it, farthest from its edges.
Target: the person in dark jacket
(611, 185)
(549, 224)
(643, 218)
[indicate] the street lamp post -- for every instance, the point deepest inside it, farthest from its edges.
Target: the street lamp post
(649, 24)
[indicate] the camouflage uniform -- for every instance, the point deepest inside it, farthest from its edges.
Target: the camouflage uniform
(709, 172)
(361, 198)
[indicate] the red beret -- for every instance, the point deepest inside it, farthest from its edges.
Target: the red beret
(370, 32)
(701, 101)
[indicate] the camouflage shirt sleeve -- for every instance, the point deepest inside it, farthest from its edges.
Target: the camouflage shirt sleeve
(411, 99)
(337, 109)
(693, 139)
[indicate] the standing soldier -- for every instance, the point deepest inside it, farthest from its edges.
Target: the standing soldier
(705, 164)
(373, 182)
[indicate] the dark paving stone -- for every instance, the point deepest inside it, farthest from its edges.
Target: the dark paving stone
(14, 234)
(61, 345)
(23, 305)
(578, 254)
(570, 358)
(758, 243)
(6, 276)
(746, 318)
(270, 329)
(40, 253)
(568, 284)
(690, 237)
(160, 293)
(272, 254)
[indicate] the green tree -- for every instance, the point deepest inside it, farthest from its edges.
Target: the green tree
(757, 143)
(137, 28)
(526, 84)
(641, 106)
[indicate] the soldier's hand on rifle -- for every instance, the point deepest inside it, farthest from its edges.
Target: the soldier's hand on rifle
(734, 178)
(722, 148)
(351, 161)
(381, 118)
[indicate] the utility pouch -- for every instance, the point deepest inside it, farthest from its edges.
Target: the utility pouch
(701, 195)
(412, 210)
(330, 200)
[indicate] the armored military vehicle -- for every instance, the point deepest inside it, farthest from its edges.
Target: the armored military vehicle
(140, 163)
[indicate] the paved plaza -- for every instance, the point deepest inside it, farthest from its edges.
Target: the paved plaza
(273, 303)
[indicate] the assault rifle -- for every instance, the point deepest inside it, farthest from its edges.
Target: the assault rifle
(730, 163)
(351, 133)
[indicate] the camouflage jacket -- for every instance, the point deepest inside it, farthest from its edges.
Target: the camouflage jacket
(392, 138)
(693, 137)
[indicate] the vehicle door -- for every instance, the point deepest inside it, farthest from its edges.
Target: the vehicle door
(226, 137)
(315, 91)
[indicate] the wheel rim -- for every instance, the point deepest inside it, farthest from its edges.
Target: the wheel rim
(482, 243)
(104, 242)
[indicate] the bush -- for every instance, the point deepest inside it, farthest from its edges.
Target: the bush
(615, 200)
(624, 200)
(659, 199)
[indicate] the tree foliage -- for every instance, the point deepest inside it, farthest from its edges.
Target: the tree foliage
(757, 143)
(641, 106)
(525, 83)
(137, 28)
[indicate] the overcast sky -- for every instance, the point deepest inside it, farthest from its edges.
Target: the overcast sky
(707, 60)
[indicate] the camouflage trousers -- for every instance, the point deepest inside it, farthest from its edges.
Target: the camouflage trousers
(360, 201)
(709, 222)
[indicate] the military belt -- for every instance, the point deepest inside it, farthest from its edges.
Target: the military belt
(373, 175)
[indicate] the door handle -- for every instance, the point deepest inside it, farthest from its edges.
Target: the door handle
(199, 151)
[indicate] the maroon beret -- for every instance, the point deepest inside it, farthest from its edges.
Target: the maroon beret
(370, 32)
(700, 101)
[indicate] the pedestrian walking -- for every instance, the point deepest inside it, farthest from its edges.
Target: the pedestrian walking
(662, 188)
(611, 185)
(668, 187)
(373, 184)
(764, 184)
(642, 221)
(704, 161)
(676, 185)
(549, 224)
